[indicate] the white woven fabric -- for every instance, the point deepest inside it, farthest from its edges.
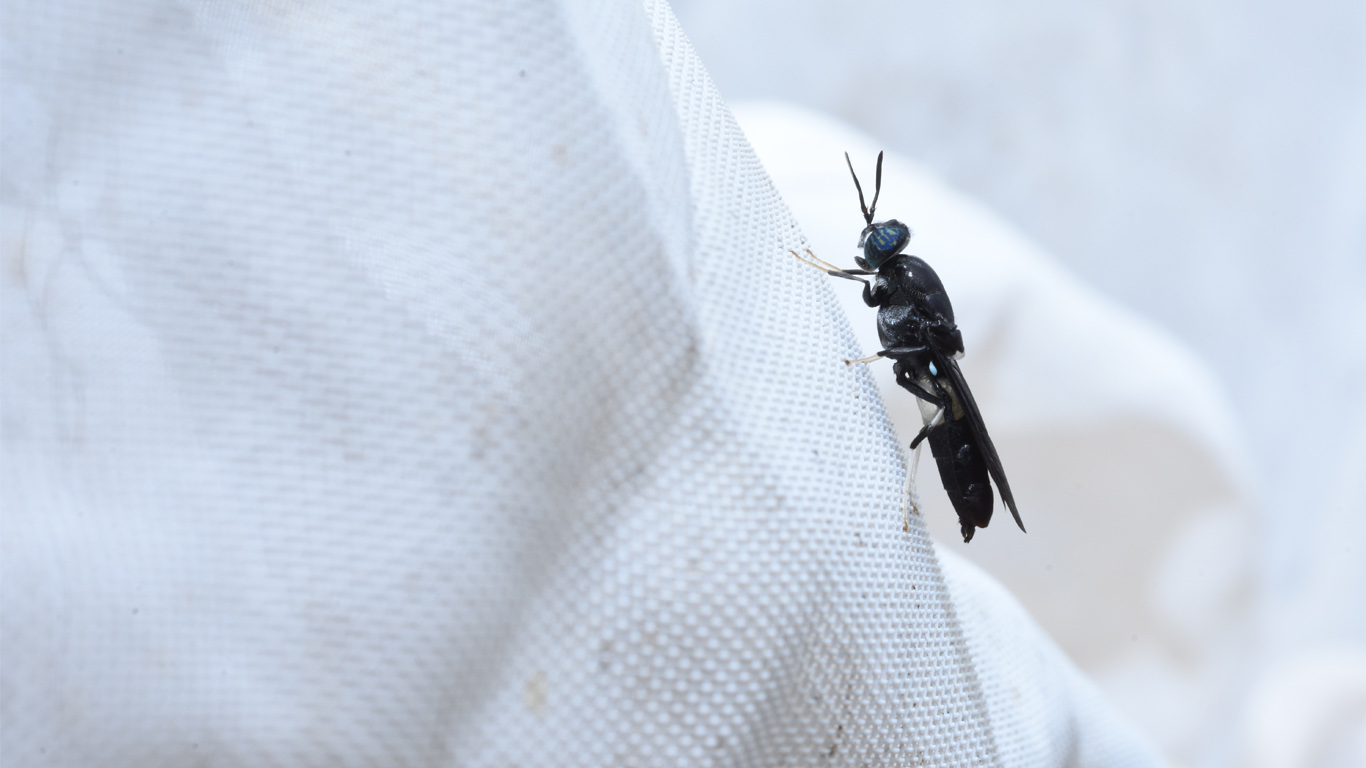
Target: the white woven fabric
(1140, 558)
(429, 385)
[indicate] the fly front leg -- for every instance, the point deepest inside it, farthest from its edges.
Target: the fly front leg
(830, 269)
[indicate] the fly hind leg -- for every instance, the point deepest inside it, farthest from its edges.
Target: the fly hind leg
(935, 420)
(908, 382)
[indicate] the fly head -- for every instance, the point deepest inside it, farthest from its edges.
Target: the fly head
(880, 240)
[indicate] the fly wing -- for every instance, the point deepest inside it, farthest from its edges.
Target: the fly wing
(949, 366)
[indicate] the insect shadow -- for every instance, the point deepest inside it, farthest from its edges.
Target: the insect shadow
(916, 326)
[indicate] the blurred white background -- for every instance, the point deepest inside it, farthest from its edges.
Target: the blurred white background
(1204, 165)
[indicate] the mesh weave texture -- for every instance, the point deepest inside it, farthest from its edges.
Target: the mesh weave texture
(430, 385)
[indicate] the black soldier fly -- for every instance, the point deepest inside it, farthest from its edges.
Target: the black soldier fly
(916, 326)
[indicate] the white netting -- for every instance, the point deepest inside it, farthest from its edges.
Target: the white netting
(430, 385)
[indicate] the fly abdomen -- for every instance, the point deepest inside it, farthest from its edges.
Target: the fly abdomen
(963, 471)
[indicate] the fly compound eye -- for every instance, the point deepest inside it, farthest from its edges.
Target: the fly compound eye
(883, 240)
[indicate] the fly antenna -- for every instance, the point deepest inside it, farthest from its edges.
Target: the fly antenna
(877, 190)
(867, 214)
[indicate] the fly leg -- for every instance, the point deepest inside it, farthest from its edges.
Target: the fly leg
(847, 274)
(894, 353)
(913, 386)
(947, 400)
(909, 383)
(910, 494)
(924, 432)
(830, 269)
